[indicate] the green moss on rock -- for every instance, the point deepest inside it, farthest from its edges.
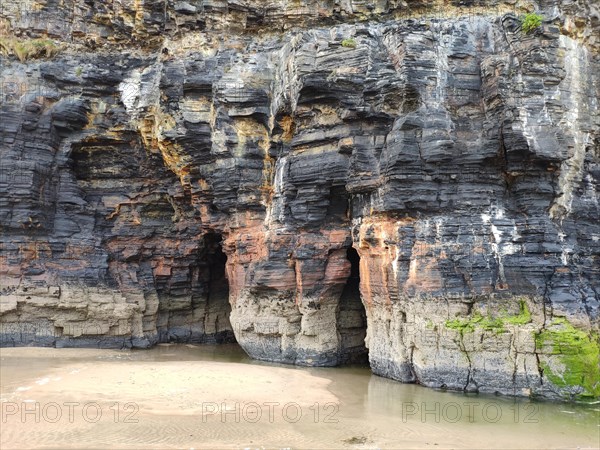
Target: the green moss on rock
(573, 358)
(349, 43)
(489, 323)
(522, 318)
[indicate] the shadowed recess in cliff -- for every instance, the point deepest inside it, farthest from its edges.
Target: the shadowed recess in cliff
(218, 309)
(351, 317)
(195, 307)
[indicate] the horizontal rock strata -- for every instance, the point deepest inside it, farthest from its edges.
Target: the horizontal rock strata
(418, 181)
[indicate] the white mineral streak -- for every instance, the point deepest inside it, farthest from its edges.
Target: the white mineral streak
(576, 101)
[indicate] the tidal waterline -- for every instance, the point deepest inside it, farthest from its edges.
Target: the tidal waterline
(184, 396)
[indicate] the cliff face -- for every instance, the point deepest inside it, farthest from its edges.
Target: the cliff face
(307, 178)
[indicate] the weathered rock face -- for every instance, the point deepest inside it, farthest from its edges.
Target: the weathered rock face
(309, 177)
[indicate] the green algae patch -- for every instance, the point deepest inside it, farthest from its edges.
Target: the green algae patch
(572, 359)
(476, 320)
(490, 323)
(522, 318)
(349, 43)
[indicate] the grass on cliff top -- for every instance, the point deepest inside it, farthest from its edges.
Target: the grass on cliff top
(488, 323)
(578, 357)
(25, 49)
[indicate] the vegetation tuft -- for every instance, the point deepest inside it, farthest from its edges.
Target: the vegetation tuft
(28, 49)
(531, 22)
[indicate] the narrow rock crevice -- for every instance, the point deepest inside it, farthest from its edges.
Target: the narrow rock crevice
(351, 316)
(217, 324)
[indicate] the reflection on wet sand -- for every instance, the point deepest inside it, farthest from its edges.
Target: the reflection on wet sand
(176, 396)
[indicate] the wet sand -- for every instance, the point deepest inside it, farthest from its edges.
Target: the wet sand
(183, 396)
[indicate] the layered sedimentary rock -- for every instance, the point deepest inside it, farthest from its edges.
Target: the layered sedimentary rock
(314, 179)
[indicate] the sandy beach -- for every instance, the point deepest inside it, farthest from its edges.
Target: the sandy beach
(171, 397)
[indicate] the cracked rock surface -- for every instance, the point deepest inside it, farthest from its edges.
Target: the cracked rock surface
(419, 181)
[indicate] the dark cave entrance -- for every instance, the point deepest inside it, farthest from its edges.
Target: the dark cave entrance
(352, 317)
(217, 325)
